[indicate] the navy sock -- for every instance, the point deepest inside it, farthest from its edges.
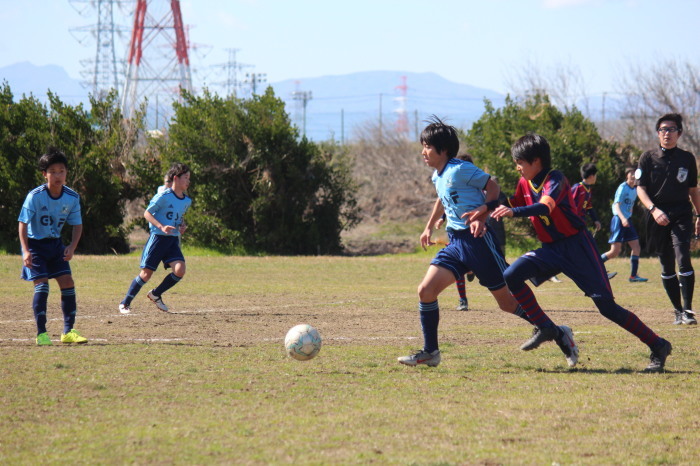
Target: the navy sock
(133, 290)
(429, 320)
(69, 308)
(634, 265)
(520, 312)
(673, 290)
(687, 283)
(167, 283)
(41, 296)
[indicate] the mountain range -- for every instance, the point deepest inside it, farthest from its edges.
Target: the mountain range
(335, 106)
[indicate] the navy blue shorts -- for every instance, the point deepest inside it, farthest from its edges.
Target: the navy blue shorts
(161, 248)
(578, 258)
(620, 234)
(47, 260)
(482, 256)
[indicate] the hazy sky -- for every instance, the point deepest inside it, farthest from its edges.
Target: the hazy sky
(480, 43)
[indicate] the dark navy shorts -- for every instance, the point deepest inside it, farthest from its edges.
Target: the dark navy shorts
(578, 258)
(47, 260)
(482, 256)
(620, 234)
(161, 248)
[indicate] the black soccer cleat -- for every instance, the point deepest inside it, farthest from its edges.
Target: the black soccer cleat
(657, 360)
(679, 317)
(688, 318)
(539, 336)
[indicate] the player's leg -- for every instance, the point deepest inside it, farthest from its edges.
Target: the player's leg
(462, 291)
(172, 258)
(171, 279)
(434, 282)
(69, 308)
(515, 276)
(634, 261)
(134, 287)
(667, 258)
(681, 234)
(41, 296)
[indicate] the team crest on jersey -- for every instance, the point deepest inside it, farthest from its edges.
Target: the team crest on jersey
(65, 210)
(682, 174)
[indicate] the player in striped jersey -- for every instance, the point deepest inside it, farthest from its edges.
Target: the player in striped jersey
(465, 194)
(44, 212)
(543, 194)
(165, 214)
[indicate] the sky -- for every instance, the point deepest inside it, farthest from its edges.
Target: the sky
(483, 43)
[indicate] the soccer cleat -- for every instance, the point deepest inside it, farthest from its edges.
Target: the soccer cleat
(679, 317)
(157, 301)
(637, 278)
(539, 336)
(463, 304)
(421, 357)
(611, 275)
(568, 345)
(657, 360)
(124, 309)
(470, 276)
(688, 318)
(73, 337)
(43, 339)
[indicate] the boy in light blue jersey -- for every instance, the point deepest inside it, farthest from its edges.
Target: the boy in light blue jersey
(44, 212)
(165, 215)
(465, 196)
(621, 228)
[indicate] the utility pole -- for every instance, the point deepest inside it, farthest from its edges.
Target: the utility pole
(303, 97)
(253, 79)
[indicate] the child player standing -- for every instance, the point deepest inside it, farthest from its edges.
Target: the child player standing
(465, 194)
(165, 214)
(44, 212)
(543, 194)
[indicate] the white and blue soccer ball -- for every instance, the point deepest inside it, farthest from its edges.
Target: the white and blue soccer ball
(302, 342)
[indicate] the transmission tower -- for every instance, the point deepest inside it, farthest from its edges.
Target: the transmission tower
(302, 97)
(232, 67)
(158, 65)
(402, 115)
(104, 72)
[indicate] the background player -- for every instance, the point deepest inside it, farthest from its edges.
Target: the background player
(543, 194)
(667, 185)
(621, 228)
(465, 194)
(44, 212)
(165, 214)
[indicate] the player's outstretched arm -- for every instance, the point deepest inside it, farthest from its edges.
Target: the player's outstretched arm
(502, 211)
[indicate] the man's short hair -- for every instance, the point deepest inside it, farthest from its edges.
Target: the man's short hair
(441, 136)
(51, 157)
(588, 169)
(466, 157)
(177, 169)
(674, 117)
(530, 147)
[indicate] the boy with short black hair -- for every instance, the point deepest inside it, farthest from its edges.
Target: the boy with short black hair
(165, 214)
(44, 212)
(543, 194)
(465, 195)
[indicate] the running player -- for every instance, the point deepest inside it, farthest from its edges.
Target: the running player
(165, 214)
(465, 194)
(621, 228)
(543, 194)
(44, 212)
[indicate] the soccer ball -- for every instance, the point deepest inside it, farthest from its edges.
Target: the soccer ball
(302, 342)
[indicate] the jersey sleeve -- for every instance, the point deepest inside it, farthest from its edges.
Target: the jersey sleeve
(618, 193)
(693, 173)
(27, 212)
(156, 203)
(517, 199)
(75, 216)
(473, 176)
(643, 172)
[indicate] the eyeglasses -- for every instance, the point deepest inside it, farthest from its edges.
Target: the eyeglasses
(668, 129)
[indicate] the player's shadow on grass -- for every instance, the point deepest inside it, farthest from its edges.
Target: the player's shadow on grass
(621, 371)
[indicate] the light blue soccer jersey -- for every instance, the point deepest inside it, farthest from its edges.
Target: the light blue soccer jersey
(168, 209)
(626, 196)
(460, 187)
(45, 215)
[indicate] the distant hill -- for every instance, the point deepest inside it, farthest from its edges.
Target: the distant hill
(25, 78)
(338, 103)
(358, 96)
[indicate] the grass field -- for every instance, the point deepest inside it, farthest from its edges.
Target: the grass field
(210, 383)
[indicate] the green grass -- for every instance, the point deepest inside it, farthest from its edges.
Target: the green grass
(211, 384)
